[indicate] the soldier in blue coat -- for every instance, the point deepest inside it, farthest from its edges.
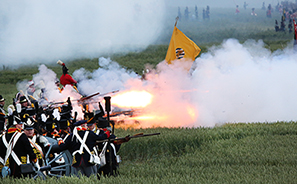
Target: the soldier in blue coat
(80, 143)
(15, 149)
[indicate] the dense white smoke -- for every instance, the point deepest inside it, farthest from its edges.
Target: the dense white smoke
(245, 83)
(109, 77)
(44, 31)
(230, 83)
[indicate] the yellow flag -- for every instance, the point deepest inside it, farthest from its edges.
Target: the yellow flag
(181, 46)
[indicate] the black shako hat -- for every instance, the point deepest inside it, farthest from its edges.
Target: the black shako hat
(80, 122)
(23, 99)
(1, 98)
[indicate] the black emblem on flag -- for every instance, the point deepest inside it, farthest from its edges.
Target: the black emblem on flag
(179, 52)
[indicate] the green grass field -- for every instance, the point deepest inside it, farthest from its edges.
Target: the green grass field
(232, 153)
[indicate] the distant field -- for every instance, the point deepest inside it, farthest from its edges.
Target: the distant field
(223, 23)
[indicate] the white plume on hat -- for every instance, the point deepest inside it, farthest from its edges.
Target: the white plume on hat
(18, 108)
(43, 117)
(10, 109)
(60, 62)
(56, 114)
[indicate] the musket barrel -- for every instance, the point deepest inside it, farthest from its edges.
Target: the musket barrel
(130, 137)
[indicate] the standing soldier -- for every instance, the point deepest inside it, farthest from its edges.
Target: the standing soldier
(283, 26)
(31, 88)
(2, 103)
(65, 130)
(15, 148)
(51, 129)
(80, 143)
(203, 14)
(207, 12)
(2, 126)
(66, 79)
(290, 26)
(2, 115)
(36, 141)
(187, 13)
(295, 35)
(110, 149)
(26, 107)
(196, 12)
(276, 26)
(245, 5)
(253, 12)
(263, 6)
(237, 10)
(179, 14)
(268, 14)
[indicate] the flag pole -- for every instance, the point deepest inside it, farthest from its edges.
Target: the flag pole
(176, 19)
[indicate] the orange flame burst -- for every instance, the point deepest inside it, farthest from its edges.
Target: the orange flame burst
(132, 99)
(149, 117)
(192, 112)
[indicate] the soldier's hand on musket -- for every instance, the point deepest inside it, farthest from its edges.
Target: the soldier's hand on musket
(127, 138)
(107, 132)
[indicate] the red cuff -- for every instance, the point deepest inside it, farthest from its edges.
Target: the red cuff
(107, 133)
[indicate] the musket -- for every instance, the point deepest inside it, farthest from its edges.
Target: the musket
(83, 98)
(111, 92)
(126, 113)
(55, 103)
(52, 103)
(87, 97)
(95, 94)
(79, 100)
(128, 137)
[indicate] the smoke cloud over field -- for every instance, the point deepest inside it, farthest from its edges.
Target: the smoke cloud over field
(44, 31)
(232, 83)
(245, 83)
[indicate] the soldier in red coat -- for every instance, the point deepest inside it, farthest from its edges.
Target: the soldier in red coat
(295, 35)
(66, 79)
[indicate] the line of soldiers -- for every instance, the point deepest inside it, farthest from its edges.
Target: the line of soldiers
(193, 16)
(25, 130)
